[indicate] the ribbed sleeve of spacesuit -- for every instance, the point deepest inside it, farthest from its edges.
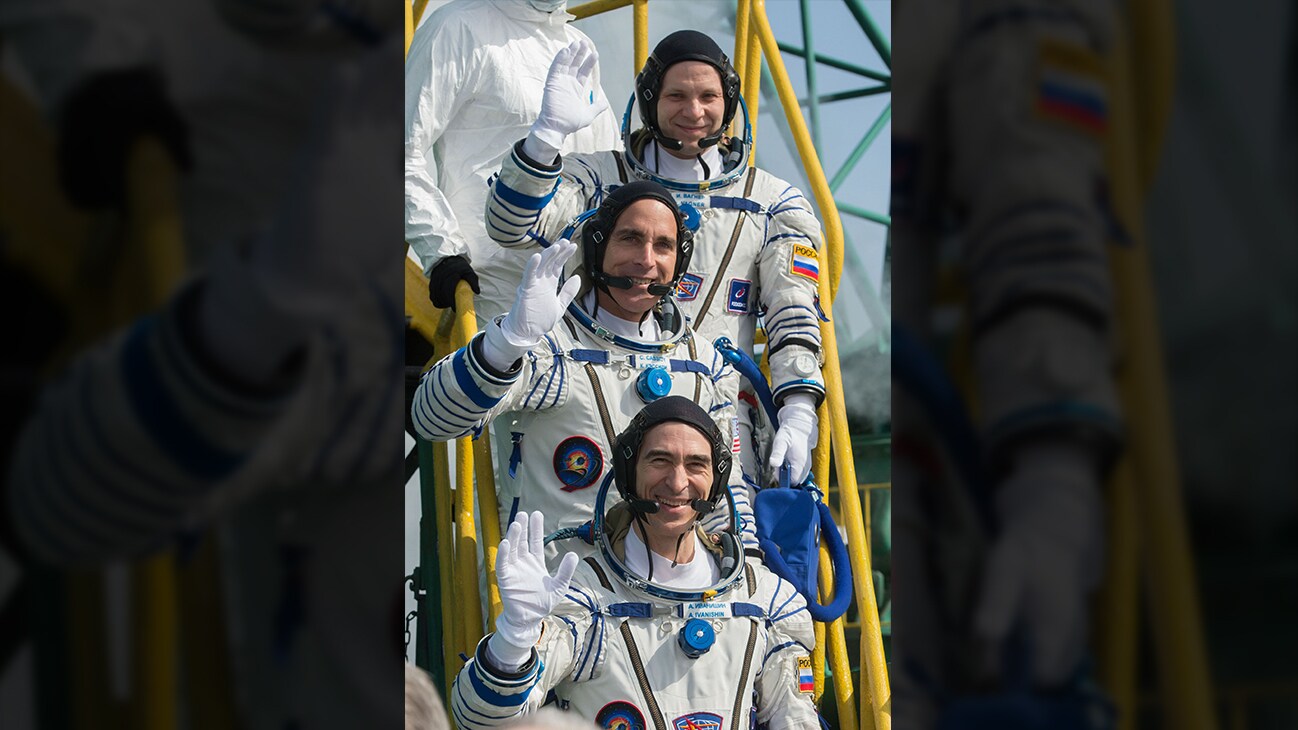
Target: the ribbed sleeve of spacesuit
(456, 395)
(790, 273)
(783, 697)
(481, 697)
(129, 443)
(519, 194)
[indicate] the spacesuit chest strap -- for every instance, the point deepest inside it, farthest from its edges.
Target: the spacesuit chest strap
(726, 202)
(708, 610)
(638, 361)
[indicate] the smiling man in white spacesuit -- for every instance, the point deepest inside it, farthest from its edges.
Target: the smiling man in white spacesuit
(565, 376)
(757, 238)
(664, 625)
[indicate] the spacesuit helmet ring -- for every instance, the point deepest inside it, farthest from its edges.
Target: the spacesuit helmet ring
(599, 226)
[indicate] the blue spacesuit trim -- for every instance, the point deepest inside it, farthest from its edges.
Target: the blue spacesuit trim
(630, 610)
(586, 659)
(522, 201)
(689, 366)
(462, 706)
(781, 617)
(468, 384)
(525, 218)
(159, 416)
(508, 237)
(778, 648)
(771, 610)
(563, 377)
(726, 202)
(448, 408)
(427, 418)
(782, 236)
(536, 386)
(812, 384)
(599, 357)
(495, 698)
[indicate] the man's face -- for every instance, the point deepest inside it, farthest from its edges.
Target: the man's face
(674, 469)
(690, 106)
(641, 247)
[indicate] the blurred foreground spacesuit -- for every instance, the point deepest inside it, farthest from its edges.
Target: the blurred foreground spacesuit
(258, 398)
(999, 158)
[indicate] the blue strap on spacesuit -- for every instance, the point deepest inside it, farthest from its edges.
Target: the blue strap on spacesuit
(792, 519)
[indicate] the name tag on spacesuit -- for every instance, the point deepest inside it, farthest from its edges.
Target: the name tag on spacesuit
(644, 362)
(706, 610)
(698, 200)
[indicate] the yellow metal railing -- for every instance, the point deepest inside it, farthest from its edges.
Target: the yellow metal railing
(876, 704)
(1146, 510)
(461, 599)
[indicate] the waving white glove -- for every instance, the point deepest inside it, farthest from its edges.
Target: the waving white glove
(1045, 562)
(537, 307)
(569, 104)
(527, 590)
(796, 436)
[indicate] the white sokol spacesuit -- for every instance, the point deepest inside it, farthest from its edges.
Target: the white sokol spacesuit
(999, 149)
(474, 75)
(730, 648)
(563, 403)
(756, 235)
(257, 401)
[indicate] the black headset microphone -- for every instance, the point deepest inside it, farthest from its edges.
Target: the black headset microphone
(624, 282)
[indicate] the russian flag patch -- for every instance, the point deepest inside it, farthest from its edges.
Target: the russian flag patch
(1071, 87)
(806, 682)
(805, 263)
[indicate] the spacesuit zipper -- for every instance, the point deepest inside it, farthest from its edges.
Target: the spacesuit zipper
(743, 675)
(748, 653)
(698, 377)
(634, 653)
(599, 401)
(719, 276)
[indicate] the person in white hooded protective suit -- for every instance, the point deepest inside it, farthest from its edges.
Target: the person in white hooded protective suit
(561, 377)
(474, 75)
(663, 624)
(757, 238)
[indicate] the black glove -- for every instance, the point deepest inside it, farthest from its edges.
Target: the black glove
(101, 120)
(444, 277)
